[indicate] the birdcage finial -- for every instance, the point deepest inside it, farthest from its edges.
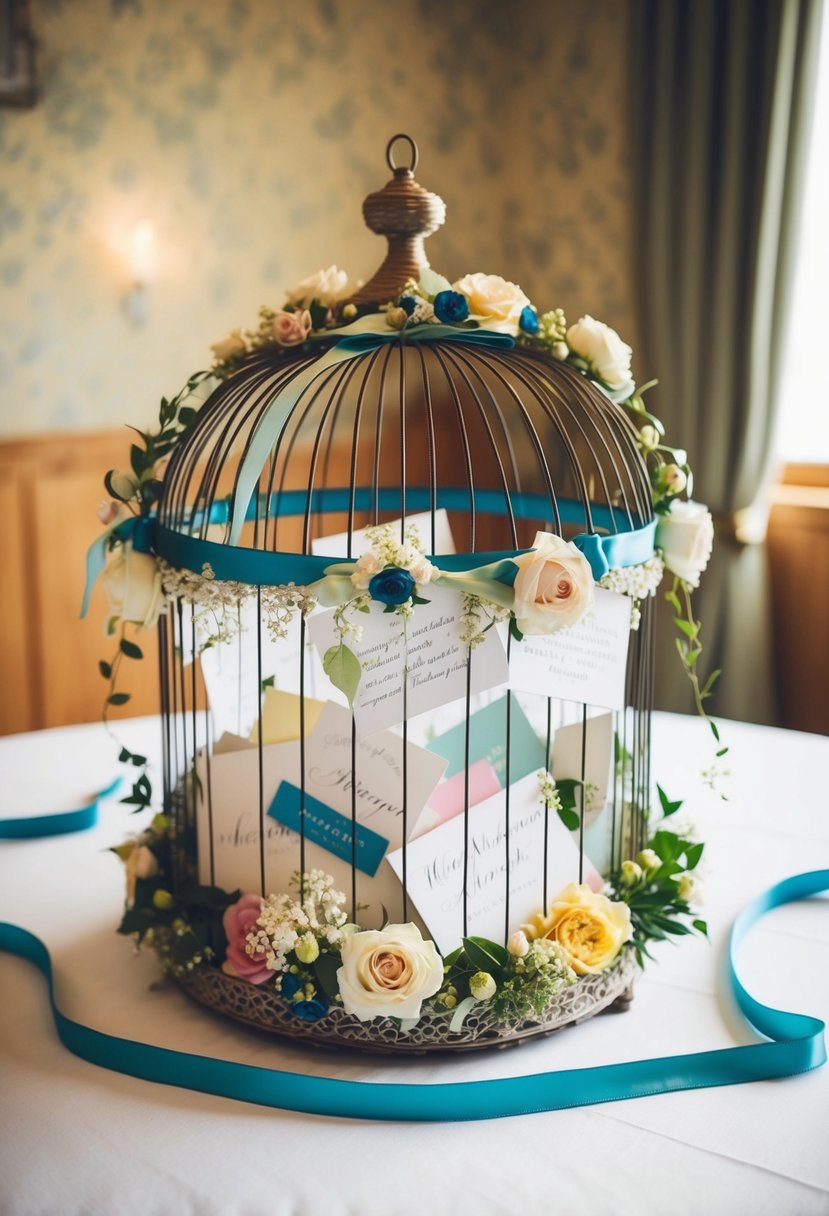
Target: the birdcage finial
(405, 214)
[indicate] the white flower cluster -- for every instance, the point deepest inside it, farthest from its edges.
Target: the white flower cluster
(287, 924)
(550, 796)
(478, 616)
(388, 550)
(638, 582)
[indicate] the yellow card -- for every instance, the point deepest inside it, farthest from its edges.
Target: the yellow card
(280, 717)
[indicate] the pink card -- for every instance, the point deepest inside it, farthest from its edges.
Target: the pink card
(449, 798)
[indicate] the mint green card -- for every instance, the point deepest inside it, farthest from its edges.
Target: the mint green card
(488, 741)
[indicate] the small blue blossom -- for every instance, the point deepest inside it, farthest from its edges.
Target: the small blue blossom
(392, 586)
(408, 304)
(451, 307)
(306, 1011)
(528, 320)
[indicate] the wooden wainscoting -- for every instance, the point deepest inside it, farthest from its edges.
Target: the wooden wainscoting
(798, 543)
(50, 488)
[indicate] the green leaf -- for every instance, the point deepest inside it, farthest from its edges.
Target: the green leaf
(268, 682)
(514, 630)
(187, 415)
(709, 683)
(673, 600)
(418, 599)
(693, 854)
(385, 920)
(569, 818)
(118, 698)
(131, 650)
(105, 669)
(668, 807)
(326, 967)
(485, 955)
(685, 627)
(343, 669)
(109, 487)
(722, 752)
(714, 730)
(138, 459)
(701, 927)
(390, 608)
(455, 957)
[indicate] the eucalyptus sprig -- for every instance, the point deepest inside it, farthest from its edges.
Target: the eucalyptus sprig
(140, 795)
(689, 649)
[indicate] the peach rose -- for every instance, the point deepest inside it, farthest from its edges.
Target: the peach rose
(239, 920)
(499, 302)
(289, 328)
(590, 928)
(554, 586)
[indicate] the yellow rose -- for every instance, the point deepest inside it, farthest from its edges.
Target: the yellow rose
(495, 300)
(388, 972)
(132, 582)
(554, 586)
(590, 928)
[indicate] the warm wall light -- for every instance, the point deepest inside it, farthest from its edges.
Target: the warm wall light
(141, 259)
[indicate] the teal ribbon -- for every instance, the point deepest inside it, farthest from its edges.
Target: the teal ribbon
(137, 530)
(795, 1044)
(31, 827)
(350, 345)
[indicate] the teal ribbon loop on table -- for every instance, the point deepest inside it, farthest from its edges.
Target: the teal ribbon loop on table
(795, 1044)
(60, 823)
(350, 345)
(138, 531)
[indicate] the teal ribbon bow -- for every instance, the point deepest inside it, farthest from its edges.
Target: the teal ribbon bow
(353, 342)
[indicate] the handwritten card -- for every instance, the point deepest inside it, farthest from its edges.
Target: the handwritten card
(453, 795)
(585, 663)
(598, 755)
(229, 795)
(428, 645)
(337, 545)
(435, 866)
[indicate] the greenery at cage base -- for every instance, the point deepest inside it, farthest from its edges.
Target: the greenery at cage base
(303, 943)
(304, 946)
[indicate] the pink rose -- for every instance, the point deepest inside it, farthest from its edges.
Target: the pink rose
(291, 327)
(239, 920)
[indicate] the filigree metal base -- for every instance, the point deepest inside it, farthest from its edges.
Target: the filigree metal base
(262, 1007)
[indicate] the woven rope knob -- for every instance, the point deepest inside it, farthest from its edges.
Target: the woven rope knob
(405, 214)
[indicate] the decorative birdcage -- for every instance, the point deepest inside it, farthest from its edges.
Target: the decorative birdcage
(407, 544)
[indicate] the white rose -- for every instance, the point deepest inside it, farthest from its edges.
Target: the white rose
(231, 346)
(602, 348)
(518, 945)
(686, 537)
(326, 286)
(497, 301)
(388, 972)
(554, 586)
(132, 582)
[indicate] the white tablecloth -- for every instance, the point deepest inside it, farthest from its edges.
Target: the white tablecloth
(78, 1139)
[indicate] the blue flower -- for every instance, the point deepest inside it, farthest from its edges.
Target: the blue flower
(408, 304)
(528, 320)
(306, 1011)
(392, 586)
(451, 307)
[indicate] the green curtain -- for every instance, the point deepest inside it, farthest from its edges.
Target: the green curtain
(722, 94)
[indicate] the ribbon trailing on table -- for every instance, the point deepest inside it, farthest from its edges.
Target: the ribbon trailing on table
(61, 823)
(795, 1044)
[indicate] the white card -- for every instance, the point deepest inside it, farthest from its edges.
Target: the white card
(434, 867)
(231, 672)
(234, 802)
(337, 545)
(585, 663)
(598, 755)
(430, 644)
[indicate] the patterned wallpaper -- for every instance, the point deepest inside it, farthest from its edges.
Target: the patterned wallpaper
(248, 133)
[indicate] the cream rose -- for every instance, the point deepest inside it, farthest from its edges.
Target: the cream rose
(554, 586)
(326, 286)
(590, 928)
(497, 301)
(603, 350)
(132, 582)
(388, 972)
(686, 537)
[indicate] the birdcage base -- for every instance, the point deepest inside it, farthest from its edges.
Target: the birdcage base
(263, 1008)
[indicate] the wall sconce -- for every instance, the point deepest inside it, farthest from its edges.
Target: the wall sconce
(141, 260)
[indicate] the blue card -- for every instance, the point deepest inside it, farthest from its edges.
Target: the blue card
(328, 828)
(488, 741)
